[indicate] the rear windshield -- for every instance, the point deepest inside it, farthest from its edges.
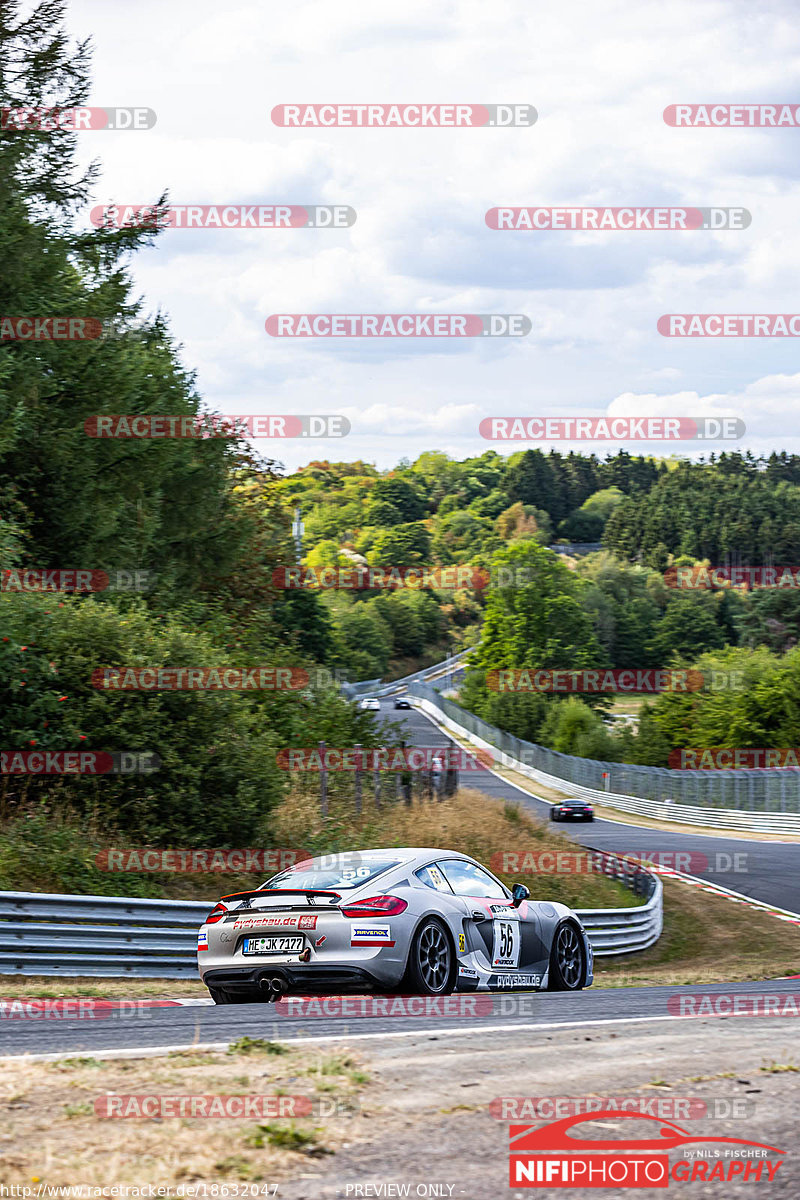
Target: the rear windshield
(347, 871)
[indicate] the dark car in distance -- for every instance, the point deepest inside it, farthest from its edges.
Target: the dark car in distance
(572, 810)
(402, 702)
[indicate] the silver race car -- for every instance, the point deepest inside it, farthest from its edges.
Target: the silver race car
(413, 921)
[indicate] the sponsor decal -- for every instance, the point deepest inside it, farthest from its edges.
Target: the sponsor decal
(462, 943)
(467, 972)
(267, 921)
(307, 923)
(507, 941)
(371, 935)
(515, 980)
(438, 881)
(202, 940)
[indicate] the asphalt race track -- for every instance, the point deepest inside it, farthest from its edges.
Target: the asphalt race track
(772, 869)
(771, 875)
(208, 1026)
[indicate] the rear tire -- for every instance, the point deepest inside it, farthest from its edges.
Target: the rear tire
(567, 960)
(432, 962)
(553, 816)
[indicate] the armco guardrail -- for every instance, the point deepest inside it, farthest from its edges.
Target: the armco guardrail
(44, 934)
(374, 687)
(519, 755)
(118, 936)
(552, 769)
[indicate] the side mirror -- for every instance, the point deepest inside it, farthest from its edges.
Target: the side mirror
(519, 893)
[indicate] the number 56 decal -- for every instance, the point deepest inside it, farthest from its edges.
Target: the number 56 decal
(505, 952)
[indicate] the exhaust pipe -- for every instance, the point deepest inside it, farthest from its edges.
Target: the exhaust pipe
(274, 986)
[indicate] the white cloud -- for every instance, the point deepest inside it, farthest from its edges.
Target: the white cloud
(600, 77)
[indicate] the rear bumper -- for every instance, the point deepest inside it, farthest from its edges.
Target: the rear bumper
(306, 980)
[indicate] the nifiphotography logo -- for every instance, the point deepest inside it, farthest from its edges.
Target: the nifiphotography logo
(552, 1157)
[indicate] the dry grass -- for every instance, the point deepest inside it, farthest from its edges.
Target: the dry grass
(50, 1133)
(469, 822)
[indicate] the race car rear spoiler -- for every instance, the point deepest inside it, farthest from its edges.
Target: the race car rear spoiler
(281, 892)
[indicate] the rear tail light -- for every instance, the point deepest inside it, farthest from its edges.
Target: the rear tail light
(216, 914)
(376, 906)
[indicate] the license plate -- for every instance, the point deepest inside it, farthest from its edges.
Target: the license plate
(272, 945)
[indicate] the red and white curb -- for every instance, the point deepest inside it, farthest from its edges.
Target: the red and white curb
(782, 914)
(84, 1006)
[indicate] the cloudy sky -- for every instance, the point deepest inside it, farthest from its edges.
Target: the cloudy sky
(599, 75)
